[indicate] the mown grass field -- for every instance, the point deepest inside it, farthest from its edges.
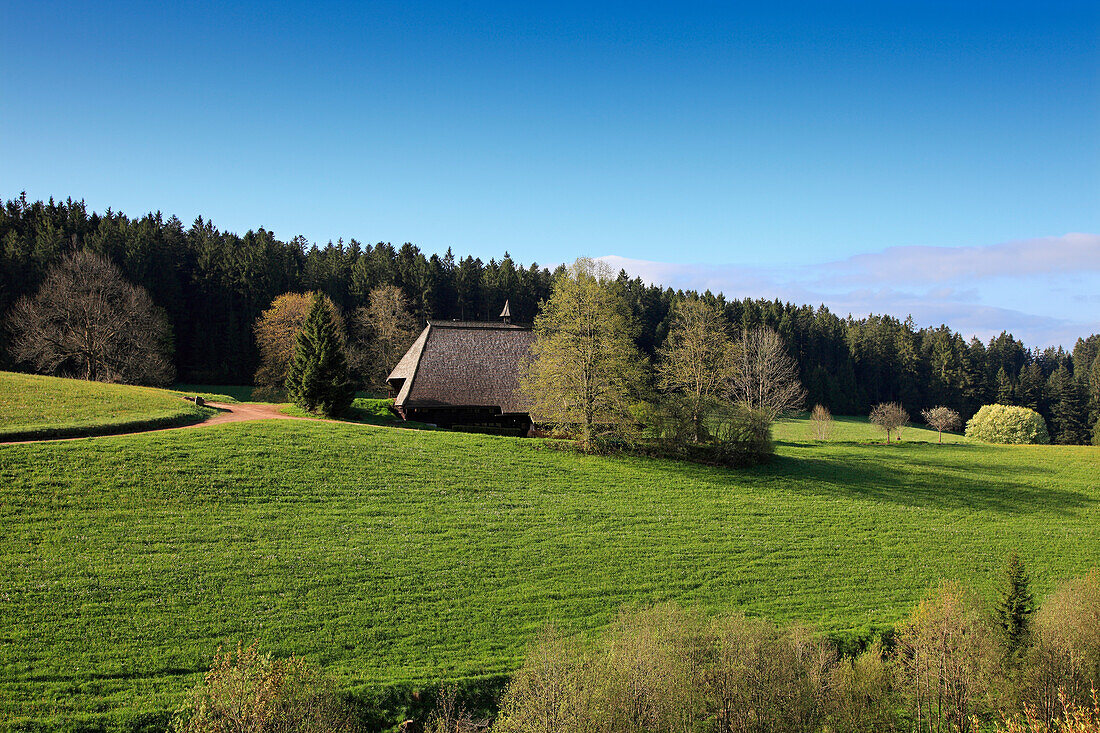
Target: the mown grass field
(855, 430)
(393, 555)
(33, 407)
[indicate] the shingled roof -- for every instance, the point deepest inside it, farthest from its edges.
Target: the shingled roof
(463, 364)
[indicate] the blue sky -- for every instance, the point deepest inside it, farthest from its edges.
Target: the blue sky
(757, 149)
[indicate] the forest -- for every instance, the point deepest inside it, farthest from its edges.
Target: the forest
(213, 285)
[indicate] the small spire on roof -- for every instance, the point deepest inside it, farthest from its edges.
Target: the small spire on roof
(506, 314)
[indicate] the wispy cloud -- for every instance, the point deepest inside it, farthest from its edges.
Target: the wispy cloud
(1042, 290)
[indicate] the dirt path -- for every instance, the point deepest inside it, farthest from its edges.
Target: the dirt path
(226, 413)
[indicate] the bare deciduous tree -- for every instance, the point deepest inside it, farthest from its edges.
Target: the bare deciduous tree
(765, 377)
(696, 360)
(888, 417)
(88, 321)
(385, 329)
(941, 418)
(822, 421)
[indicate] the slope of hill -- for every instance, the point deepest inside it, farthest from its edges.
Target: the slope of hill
(392, 555)
(33, 407)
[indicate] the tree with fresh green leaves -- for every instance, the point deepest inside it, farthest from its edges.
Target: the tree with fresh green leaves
(696, 360)
(584, 369)
(1016, 604)
(317, 378)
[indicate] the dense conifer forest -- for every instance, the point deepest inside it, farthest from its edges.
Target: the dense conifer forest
(213, 284)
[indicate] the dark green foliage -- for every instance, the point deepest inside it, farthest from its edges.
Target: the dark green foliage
(1016, 604)
(1005, 392)
(317, 378)
(1068, 412)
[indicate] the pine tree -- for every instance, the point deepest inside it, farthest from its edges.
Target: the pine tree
(317, 377)
(1004, 388)
(1094, 390)
(1068, 410)
(1014, 611)
(1029, 392)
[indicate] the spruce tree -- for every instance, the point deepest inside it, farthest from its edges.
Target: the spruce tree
(1068, 408)
(317, 377)
(1016, 606)
(1029, 392)
(1004, 388)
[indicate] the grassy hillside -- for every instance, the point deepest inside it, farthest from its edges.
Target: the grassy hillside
(33, 407)
(391, 555)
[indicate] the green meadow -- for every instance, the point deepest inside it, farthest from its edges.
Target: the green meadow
(408, 557)
(33, 407)
(854, 430)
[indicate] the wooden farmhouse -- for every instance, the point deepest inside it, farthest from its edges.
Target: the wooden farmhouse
(464, 374)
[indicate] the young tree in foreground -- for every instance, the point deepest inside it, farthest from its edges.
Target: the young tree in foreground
(317, 377)
(765, 377)
(250, 691)
(941, 418)
(386, 330)
(944, 652)
(696, 360)
(822, 421)
(583, 366)
(88, 321)
(1016, 605)
(276, 335)
(888, 417)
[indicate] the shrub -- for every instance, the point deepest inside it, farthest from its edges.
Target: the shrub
(249, 692)
(888, 417)
(945, 653)
(1008, 424)
(743, 437)
(1096, 432)
(1065, 656)
(822, 421)
(941, 418)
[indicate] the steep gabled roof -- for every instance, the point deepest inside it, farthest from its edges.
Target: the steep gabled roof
(456, 364)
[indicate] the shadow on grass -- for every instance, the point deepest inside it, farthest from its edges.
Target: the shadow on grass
(47, 433)
(916, 475)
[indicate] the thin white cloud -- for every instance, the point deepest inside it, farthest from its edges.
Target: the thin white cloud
(1069, 253)
(1042, 290)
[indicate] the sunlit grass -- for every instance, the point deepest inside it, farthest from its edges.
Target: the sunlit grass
(33, 406)
(391, 555)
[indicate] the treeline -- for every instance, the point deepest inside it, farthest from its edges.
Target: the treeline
(214, 284)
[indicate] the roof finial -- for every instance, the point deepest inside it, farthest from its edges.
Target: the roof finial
(506, 314)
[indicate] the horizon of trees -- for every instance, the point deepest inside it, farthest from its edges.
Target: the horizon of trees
(213, 285)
